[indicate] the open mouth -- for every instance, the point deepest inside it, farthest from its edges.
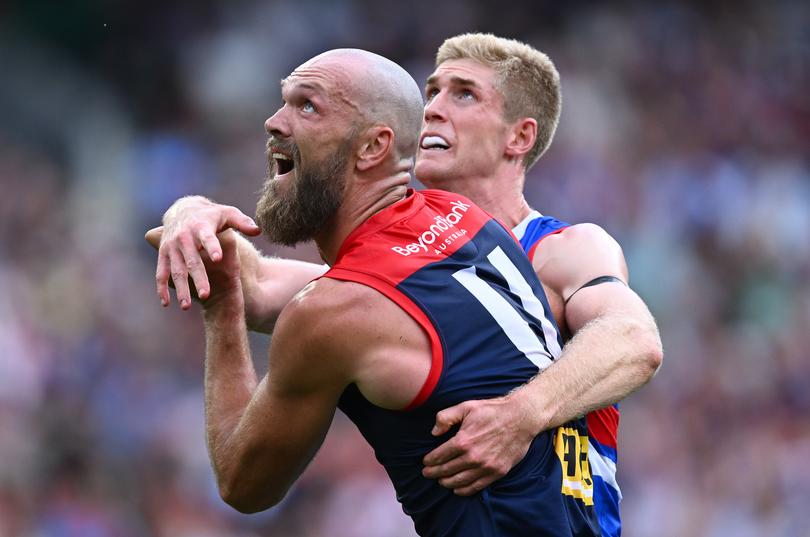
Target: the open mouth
(434, 143)
(284, 163)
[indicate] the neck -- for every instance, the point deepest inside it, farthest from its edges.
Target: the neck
(363, 199)
(500, 195)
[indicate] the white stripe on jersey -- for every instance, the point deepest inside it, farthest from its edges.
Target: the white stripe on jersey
(520, 229)
(603, 467)
(519, 286)
(513, 325)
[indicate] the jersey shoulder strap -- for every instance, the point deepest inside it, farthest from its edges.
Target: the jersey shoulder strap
(535, 228)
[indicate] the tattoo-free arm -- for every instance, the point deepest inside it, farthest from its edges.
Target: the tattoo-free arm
(615, 350)
(262, 435)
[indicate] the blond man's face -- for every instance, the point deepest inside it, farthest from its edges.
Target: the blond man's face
(463, 132)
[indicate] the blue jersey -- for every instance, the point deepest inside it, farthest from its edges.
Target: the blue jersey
(601, 426)
(462, 276)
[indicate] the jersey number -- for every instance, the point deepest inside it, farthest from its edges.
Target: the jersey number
(572, 450)
(514, 326)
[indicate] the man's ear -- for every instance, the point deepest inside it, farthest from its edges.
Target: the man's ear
(377, 144)
(522, 136)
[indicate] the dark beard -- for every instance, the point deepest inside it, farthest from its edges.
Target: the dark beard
(310, 202)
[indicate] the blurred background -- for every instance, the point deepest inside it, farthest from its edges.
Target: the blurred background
(685, 133)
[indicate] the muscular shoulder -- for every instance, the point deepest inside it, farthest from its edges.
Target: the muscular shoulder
(356, 333)
(567, 260)
(334, 304)
(325, 310)
(308, 347)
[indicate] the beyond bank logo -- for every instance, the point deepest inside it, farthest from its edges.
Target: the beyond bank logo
(435, 231)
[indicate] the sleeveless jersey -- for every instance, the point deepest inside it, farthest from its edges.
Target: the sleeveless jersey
(464, 278)
(601, 425)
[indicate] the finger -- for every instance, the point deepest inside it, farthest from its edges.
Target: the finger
(241, 222)
(450, 468)
(475, 487)
(162, 278)
(442, 454)
(179, 277)
(210, 243)
(194, 265)
(153, 236)
(461, 479)
(447, 418)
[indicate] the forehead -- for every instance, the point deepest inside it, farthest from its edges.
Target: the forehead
(464, 71)
(325, 78)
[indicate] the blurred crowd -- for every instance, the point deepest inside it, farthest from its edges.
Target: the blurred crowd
(685, 133)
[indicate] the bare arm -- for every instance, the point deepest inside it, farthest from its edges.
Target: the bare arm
(262, 434)
(615, 350)
(190, 229)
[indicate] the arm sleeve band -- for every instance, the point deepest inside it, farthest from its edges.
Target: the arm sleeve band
(596, 281)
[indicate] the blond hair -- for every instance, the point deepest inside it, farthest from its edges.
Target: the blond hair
(525, 77)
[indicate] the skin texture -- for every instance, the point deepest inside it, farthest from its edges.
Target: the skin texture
(615, 347)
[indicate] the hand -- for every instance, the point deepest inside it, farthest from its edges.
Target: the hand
(224, 275)
(494, 436)
(190, 226)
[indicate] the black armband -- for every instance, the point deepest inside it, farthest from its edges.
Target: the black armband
(596, 281)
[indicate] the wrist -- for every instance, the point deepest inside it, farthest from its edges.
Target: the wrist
(227, 300)
(537, 412)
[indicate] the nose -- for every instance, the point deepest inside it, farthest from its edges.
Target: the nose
(435, 108)
(277, 125)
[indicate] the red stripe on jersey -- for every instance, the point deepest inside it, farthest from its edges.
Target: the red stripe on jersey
(530, 253)
(437, 353)
(603, 424)
(413, 237)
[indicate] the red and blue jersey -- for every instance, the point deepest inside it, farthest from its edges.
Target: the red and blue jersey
(463, 277)
(601, 425)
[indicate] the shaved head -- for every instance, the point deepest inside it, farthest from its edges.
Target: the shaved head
(380, 91)
(333, 105)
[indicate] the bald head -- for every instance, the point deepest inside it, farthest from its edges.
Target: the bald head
(380, 91)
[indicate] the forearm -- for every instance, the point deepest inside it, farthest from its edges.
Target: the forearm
(230, 381)
(270, 283)
(608, 358)
(260, 314)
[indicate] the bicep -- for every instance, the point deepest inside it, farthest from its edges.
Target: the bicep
(604, 300)
(568, 260)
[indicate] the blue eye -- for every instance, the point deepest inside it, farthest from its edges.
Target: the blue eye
(308, 107)
(466, 95)
(431, 93)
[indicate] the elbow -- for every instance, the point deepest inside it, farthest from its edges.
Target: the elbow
(652, 352)
(248, 505)
(247, 501)
(648, 353)
(654, 357)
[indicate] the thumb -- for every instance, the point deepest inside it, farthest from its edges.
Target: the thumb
(447, 418)
(241, 222)
(153, 236)
(249, 227)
